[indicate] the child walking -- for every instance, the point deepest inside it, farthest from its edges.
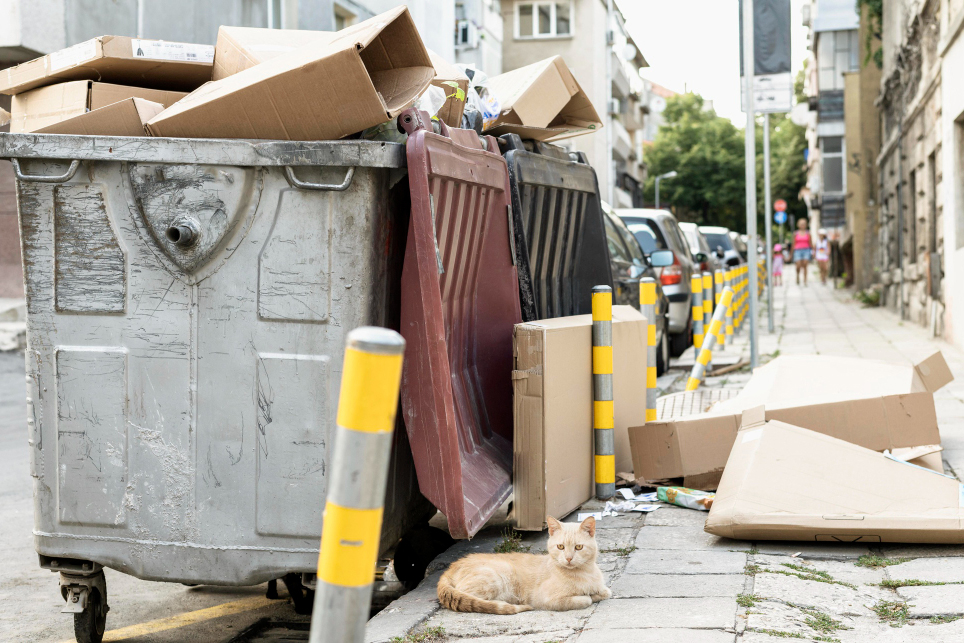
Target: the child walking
(778, 265)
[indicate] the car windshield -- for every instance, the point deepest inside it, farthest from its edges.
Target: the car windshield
(718, 239)
(646, 237)
(692, 238)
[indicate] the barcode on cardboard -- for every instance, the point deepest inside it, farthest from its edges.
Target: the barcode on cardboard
(163, 50)
(73, 55)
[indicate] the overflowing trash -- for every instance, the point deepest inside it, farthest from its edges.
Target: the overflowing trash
(689, 498)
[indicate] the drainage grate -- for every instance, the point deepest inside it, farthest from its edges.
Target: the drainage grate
(269, 630)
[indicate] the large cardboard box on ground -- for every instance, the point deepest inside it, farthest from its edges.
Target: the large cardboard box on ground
(158, 64)
(324, 90)
(783, 482)
(240, 48)
(877, 405)
(552, 409)
(542, 101)
(37, 109)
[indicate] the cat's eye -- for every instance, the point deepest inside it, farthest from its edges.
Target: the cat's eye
(578, 547)
(561, 546)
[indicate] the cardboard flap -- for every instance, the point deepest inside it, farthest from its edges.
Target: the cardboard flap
(934, 372)
(123, 118)
(753, 417)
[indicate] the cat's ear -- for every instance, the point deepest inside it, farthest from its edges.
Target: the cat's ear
(589, 526)
(554, 525)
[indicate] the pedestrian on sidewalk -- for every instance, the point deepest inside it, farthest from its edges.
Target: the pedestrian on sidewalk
(802, 249)
(823, 255)
(778, 265)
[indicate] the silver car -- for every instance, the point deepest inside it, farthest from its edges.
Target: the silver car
(700, 247)
(658, 229)
(722, 245)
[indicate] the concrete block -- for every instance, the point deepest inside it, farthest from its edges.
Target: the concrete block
(685, 537)
(934, 600)
(641, 613)
(653, 561)
(815, 551)
(837, 600)
(662, 635)
(678, 585)
(935, 570)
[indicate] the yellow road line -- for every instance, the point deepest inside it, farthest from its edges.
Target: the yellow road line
(188, 618)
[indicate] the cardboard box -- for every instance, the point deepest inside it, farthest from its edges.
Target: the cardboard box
(240, 48)
(37, 109)
(542, 101)
(552, 410)
(364, 76)
(125, 118)
(784, 482)
(157, 64)
(877, 405)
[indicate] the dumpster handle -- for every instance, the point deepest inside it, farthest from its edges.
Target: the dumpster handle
(62, 178)
(295, 182)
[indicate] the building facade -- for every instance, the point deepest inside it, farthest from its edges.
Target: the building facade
(951, 51)
(910, 162)
(577, 30)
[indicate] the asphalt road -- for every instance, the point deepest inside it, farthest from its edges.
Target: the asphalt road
(141, 611)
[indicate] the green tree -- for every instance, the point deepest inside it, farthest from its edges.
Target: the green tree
(788, 168)
(706, 151)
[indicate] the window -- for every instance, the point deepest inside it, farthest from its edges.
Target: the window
(543, 19)
(616, 248)
(831, 156)
(343, 18)
(837, 52)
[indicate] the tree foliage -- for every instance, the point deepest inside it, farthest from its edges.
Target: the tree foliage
(873, 44)
(707, 153)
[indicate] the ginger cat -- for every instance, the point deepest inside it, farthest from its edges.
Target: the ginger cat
(568, 578)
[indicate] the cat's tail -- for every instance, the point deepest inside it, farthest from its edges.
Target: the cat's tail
(458, 601)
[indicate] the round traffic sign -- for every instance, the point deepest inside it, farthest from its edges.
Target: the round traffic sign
(779, 217)
(780, 205)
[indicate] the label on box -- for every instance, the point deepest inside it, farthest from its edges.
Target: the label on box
(73, 55)
(163, 50)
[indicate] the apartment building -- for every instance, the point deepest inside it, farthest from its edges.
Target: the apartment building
(577, 30)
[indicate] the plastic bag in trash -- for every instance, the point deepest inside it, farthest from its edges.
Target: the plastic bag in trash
(689, 498)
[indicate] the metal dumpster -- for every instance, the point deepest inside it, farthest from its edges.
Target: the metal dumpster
(460, 301)
(560, 241)
(187, 305)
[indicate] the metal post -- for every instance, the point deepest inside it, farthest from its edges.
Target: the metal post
(707, 306)
(602, 389)
(709, 342)
(768, 215)
(730, 279)
(657, 191)
(749, 68)
(696, 287)
(647, 300)
(718, 281)
(370, 381)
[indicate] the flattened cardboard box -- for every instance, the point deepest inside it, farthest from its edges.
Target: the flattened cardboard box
(542, 101)
(552, 409)
(784, 482)
(877, 405)
(124, 118)
(324, 90)
(38, 109)
(158, 64)
(240, 48)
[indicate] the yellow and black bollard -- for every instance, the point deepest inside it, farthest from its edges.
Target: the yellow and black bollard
(720, 281)
(647, 300)
(602, 390)
(696, 288)
(350, 535)
(709, 341)
(707, 304)
(730, 278)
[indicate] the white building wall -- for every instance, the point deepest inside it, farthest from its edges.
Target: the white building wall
(952, 151)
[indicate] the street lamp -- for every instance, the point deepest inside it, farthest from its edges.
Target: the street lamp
(668, 175)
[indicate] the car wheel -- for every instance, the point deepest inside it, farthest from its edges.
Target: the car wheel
(662, 354)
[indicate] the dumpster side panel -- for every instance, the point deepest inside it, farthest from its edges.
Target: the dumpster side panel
(562, 228)
(182, 406)
(459, 305)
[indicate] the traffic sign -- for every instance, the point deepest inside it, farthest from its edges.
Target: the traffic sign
(779, 217)
(780, 205)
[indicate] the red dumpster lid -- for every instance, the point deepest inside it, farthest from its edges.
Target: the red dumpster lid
(460, 301)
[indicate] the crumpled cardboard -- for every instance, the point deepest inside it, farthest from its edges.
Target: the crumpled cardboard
(327, 89)
(542, 101)
(552, 409)
(877, 405)
(783, 482)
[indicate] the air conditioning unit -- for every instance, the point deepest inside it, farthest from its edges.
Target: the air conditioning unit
(615, 107)
(466, 34)
(805, 10)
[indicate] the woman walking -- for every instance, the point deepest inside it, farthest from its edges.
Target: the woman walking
(822, 255)
(802, 249)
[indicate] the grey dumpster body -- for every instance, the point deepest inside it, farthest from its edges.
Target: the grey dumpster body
(187, 307)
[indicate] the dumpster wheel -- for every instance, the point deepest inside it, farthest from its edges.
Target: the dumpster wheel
(89, 625)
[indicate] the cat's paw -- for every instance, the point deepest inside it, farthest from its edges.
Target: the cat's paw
(602, 595)
(580, 602)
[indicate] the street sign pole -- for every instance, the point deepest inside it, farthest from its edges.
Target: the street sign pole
(750, 157)
(766, 220)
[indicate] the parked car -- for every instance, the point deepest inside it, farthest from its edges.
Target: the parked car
(630, 264)
(739, 242)
(722, 245)
(660, 227)
(698, 244)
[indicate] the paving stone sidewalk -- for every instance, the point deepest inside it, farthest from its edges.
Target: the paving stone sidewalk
(672, 582)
